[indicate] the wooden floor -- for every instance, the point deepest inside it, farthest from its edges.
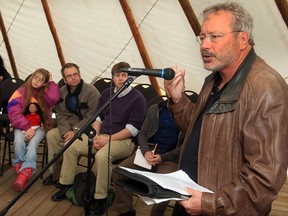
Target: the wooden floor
(37, 202)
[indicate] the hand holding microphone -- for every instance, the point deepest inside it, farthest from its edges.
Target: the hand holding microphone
(175, 88)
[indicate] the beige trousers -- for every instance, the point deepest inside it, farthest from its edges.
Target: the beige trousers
(118, 150)
(55, 143)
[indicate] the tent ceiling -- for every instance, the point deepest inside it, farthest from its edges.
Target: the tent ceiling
(95, 34)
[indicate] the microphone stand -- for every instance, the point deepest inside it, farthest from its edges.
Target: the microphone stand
(87, 129)
(91, 134)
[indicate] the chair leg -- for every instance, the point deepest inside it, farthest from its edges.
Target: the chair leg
(44, 154)
(9, 152)
(44, 160)
(3, 161)
(3, 157)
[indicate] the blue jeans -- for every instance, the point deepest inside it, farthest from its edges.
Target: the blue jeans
(26, 153)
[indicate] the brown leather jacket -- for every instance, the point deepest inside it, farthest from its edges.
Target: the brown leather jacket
(243, 149)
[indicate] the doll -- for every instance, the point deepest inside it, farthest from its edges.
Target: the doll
(33, 114)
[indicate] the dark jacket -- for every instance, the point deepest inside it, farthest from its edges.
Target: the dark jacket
(150, 127)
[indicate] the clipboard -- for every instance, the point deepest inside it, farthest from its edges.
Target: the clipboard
(143, 186)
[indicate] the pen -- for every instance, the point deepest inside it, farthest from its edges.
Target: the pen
(154, 151)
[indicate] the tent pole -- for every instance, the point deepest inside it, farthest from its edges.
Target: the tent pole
(190, 15)
(139, 43)
(283, 8)
(8, 47)
(53, 31)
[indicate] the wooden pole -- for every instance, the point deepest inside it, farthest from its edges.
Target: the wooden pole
(139, 43)
(8, 47)
(283, 8)
(53, 31)
(190, 15)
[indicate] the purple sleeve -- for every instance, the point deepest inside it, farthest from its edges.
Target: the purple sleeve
(52, 94)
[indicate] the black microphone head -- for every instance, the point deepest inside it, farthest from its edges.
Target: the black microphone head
(169, 74)
(125, 69)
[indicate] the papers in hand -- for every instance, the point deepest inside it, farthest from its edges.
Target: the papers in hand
(141, 161)
(176, 181)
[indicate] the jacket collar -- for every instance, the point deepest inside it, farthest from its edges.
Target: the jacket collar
(230, 95)
(78, 89)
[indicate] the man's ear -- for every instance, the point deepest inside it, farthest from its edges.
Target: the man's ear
(244, 40)
(65, 81)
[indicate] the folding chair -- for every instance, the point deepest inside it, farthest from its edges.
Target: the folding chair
(7, 88)
(193, 96)
(102, 84)
(147, 90)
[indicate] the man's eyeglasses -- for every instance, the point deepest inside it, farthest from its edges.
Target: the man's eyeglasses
(70, 76)
(212, 37)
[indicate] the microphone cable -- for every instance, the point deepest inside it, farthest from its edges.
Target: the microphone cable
(109, 144)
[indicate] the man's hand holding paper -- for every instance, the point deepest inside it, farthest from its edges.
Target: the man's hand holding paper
(176, 181)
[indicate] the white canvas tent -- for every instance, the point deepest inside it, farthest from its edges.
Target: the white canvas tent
(96, 34)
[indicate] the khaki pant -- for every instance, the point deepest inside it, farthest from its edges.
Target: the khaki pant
(118, 150)
(55, 143)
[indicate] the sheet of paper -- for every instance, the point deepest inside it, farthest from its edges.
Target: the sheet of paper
(151, 201)
(140, 160)
(176, 181)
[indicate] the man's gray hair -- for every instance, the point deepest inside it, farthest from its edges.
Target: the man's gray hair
(243, 19)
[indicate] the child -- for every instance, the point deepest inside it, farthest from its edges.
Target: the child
(39, 88)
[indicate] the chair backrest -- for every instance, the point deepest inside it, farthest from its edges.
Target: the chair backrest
(5, 73)
(61, 83)
(7, 88)
(193, 96)
(103, 83)
(27, 77)
(147, 90)
(156, 100)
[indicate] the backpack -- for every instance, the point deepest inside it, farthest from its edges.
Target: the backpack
(77, 193)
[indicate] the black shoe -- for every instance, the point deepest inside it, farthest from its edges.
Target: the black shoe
(49, 180)
(129, 213)
(98, 208)
(58, 185)
(110, 197)
(61, 194)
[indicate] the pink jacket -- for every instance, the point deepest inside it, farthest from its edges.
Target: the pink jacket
(16, 104)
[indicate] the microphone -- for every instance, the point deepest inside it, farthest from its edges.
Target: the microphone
(167, 73)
